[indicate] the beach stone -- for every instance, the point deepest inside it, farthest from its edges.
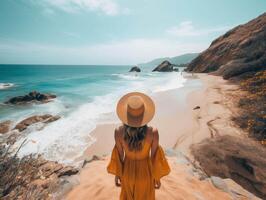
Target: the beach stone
(196, 108)
(219, 183)
(35, 119)
(88, 160)
(135, 69)
(33, 96)
(67, 171)
(5, 126)
(237, 191)
(180, 157)
(165, 66)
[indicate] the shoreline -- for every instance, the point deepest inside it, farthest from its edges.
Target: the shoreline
(165, 119)
(203, 111)
(195, 124)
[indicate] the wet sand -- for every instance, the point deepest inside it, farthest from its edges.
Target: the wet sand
(174, 118)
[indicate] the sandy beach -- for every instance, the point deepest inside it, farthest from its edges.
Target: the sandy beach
(72, 71)
(173, 122)
(197, 112)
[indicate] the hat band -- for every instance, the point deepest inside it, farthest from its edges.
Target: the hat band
(135, 112)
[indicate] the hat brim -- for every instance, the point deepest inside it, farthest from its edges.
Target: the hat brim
(149, 110)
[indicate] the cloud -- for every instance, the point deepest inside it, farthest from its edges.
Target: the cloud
(108, 7)
(186, 29)
(130, 51)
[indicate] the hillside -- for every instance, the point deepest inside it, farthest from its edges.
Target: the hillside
(240, 51)
(177, 60)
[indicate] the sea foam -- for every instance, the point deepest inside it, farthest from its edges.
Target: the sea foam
(4, 86)
(66, 139)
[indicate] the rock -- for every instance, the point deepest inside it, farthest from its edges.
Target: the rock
(49, 168)
(135, 69)
(237, 192)
(180, 157)
(67, 171)
(30, 177)
(12, 138)
(31, 97)
(5, 126)
(219, 183)
(51, 119)
(165, 66)
(197, 107)
(88, 160)
(240, 51)
(35, 119)
(41, 183)
(239, 159)
(175, 69)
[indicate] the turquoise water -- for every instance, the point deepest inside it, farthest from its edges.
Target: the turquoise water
(86, 96)
(73, 84)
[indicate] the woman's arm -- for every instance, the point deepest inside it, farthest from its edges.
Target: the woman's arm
(120, 152)
(155, 143)
(119, 145)
(154, 147)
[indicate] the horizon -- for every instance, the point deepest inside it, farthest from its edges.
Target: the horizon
(126, 65)
(112, 32)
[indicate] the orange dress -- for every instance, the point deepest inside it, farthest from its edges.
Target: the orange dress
(137, 173)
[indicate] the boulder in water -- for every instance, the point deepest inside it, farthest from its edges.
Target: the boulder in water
(33, 96)
(35, 119)
(165, 66)
(135, 69)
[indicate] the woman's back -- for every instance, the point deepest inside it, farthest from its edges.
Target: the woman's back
(144, 152)
(137, 180)
(137, 160)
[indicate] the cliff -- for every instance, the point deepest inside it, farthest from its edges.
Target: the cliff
(238, 52)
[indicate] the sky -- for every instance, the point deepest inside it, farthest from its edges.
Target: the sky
(115, 32)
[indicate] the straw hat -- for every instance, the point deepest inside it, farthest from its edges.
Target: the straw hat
(135, 109)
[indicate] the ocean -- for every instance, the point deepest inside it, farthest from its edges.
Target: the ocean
(86, 96)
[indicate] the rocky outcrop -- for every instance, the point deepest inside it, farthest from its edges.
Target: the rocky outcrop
(5, 126)
(135, 69)
(165, 66)
(31, 97)
(240, 51)
(242, 160)
(31, 178)
(35, 119)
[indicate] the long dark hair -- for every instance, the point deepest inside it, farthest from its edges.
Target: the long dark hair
(134, 136)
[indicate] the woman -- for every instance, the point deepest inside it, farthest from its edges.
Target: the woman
(137, 160)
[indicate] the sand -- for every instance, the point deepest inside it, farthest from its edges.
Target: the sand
(174, 119)
(179, 125)
(96, 184)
